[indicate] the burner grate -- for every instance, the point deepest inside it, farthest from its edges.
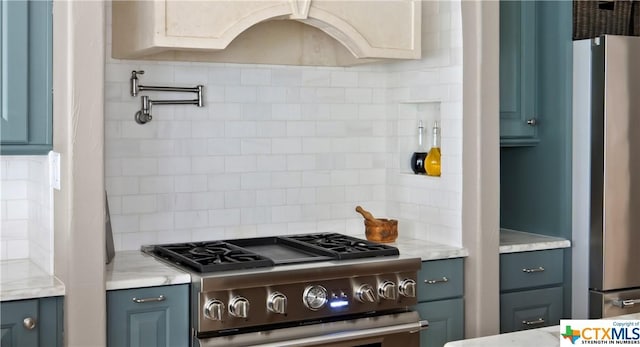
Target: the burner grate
(212, 256)
(345, 247)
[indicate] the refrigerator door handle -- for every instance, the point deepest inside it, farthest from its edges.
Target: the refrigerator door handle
(625, 303)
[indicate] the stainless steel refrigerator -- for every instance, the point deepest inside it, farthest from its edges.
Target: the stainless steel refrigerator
(606, 177)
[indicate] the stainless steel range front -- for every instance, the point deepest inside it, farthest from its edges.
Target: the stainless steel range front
(300, 290)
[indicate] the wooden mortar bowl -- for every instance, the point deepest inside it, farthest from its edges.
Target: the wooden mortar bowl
(382, 230)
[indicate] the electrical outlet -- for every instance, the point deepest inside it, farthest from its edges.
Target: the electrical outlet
(54, 170)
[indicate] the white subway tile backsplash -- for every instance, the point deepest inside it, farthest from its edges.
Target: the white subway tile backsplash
(300, 128)
(301, 196)
(271, 163)
(224, 75)
(16, 169)
(255, 146)
(271, 197)
(17, 249)
(14, 190)
(240, 94)
(271, 94)
(123, 185)
(286, 145)
(139, 166)
(193, 147)
(137, 204)
(173, 166)
(190, 183)
(156, 184)
(320, 77)
(224, 217)
(14, 229)
(288, 179)
(189, 76)
(286, 213)
(156, 221)
(255, 215)
(17, 209)
(327, 195)
(213, 93)
(239, 198)
(207, 129)
(287, 111)
(255, 180)
(343, 79)
(287, 149)
(240, 129)
(191, 219)
(246, 163)
(288, 77)
(260, 77)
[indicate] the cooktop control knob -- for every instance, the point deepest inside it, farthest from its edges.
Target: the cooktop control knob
(407, 288)
(314, 297)
(387, 290)
(239, 307)
(365, 293)
(277, 303)
(213, 309)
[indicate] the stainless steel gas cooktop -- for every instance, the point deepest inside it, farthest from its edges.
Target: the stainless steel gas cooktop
(214, 256)
(275, 289)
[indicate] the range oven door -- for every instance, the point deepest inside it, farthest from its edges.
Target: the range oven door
(391, 330)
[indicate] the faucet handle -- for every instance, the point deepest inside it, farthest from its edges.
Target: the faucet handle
(133, 81)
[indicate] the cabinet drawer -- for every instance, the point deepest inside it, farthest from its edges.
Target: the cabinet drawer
(530, 269)
(440, 279)
(530, 309)
(446, 321)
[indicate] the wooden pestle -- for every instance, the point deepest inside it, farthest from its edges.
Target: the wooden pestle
(367, 215)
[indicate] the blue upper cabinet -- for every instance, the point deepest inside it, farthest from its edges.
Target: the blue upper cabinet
(518, 75)
(25, 77)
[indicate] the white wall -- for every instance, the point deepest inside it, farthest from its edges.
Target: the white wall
(26, 227)
(284, 149)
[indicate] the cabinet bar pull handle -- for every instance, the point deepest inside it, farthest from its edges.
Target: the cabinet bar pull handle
(625, 303)
(538, 269)
(533, 322)
(441, 280)
(142, 301)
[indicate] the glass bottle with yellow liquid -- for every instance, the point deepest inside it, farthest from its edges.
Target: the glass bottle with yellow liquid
(432, 162)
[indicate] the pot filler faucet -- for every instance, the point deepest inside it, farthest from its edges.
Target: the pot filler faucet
(144, 114)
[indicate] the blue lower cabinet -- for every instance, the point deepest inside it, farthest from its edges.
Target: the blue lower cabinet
(530, 309)
(154, 317)
(440, 301)
(446, 321)
(33, 322)
(14, 314)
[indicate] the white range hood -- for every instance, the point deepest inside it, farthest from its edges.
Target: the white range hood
(295, 32)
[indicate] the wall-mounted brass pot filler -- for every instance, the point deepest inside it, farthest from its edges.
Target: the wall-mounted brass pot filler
(144, 114)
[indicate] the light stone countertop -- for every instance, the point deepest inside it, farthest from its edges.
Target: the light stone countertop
(21, 279)
(512, 241)
(134, 269)
(428, 250)
(547, 337)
